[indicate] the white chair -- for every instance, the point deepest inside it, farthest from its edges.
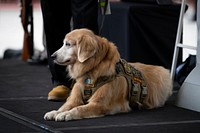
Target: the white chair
(189, 94)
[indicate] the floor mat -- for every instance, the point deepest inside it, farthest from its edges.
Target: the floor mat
(23, 103)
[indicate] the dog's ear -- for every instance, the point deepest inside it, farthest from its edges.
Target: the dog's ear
(87, 47)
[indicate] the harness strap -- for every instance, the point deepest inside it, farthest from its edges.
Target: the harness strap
(136, 83)
(91, 86)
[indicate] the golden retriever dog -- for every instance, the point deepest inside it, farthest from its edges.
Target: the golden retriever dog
(89, 59)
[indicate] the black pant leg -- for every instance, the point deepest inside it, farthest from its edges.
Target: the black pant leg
(85, 14)
(56, 18)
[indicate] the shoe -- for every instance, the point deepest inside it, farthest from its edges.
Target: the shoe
(59, 93)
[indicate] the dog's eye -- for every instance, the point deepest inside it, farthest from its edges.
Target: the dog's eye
(67, 44)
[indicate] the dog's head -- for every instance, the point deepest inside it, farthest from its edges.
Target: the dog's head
(84, 51)
(80, 44)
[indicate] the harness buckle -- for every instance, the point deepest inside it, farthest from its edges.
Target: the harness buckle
(135, 89)
(144, 91)
(87, 92)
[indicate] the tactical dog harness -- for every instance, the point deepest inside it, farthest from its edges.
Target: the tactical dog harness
(136, 84)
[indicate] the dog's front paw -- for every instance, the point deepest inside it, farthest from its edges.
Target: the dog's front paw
(51, 115)
(64, 116)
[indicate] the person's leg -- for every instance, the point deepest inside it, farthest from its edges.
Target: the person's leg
(85, 14)
(56, 18)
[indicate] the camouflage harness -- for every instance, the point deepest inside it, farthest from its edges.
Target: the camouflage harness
(136, 84)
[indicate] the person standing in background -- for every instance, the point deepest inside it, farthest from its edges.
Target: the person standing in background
(57, 16)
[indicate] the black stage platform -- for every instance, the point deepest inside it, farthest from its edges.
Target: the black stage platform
(23, 103)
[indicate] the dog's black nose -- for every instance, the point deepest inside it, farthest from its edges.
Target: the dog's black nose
(53, 56)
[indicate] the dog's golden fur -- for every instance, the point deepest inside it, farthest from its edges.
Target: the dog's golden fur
(88, 55)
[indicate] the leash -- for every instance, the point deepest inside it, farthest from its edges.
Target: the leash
(103, 4)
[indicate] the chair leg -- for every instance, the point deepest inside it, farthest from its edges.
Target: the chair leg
(178, 39)
(189, 94)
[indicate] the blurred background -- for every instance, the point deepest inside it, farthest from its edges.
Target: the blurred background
(11, 30)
